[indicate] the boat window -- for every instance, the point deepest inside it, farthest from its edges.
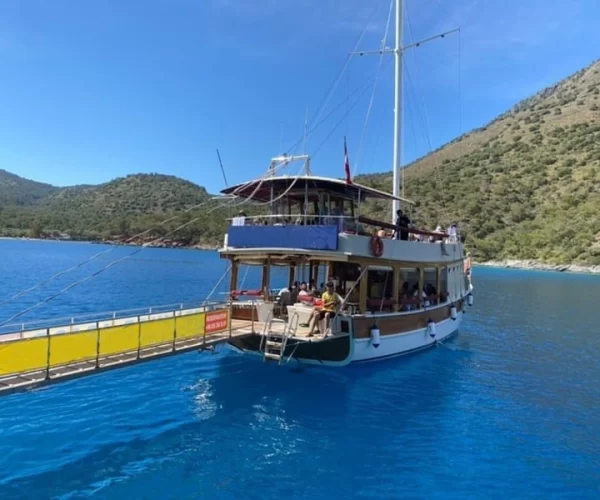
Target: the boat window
(345, 275)
(430, 285)
(409, 285)
(380, 290)
(444, 283)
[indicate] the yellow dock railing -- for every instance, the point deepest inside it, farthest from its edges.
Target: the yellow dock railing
(34, 354)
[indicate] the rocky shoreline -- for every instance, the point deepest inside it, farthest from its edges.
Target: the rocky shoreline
(534, 265)
(150, 243)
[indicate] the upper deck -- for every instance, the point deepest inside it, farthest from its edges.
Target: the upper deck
(319, 217)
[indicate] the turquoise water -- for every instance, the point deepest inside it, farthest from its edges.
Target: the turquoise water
(507, 409)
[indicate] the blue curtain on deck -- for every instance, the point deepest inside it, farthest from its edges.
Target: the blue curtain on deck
(309, 237)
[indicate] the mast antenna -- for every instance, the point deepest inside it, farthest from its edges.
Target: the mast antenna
(222, 169)
(305, 131)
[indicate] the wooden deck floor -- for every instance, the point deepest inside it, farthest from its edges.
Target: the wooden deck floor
(257, 327)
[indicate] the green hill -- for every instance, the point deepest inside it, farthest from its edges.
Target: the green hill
(527, 186)
(122, 207)
(15, 190)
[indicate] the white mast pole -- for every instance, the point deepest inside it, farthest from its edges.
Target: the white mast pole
(398, 175)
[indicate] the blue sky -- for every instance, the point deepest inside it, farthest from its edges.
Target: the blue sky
(91, 90)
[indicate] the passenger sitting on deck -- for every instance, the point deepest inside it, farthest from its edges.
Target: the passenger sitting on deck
(431, 293)
(331, 303)
(304, 290)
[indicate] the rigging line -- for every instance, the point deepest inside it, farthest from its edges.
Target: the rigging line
(338, 123)
(247, 200)
(222, 169)
(101, 270)
(324, 103)
(96, 256)
(387, 275)
(422, 102)
(312, 128)
(359, 88)
(428, 138)
(244, 278)
(322, 107)
(217, 285)
(383, 45)
(460, 104)
(92, 317)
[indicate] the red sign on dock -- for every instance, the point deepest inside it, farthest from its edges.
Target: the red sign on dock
(217, 321)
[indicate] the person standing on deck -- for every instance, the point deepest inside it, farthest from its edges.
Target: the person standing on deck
(402, 223)
(331, 304)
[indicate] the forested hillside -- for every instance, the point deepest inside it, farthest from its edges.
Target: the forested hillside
(527, 186)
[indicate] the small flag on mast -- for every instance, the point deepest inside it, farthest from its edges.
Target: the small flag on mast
(347, 164)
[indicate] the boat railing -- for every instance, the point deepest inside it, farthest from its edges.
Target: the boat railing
(409, 229)
(38, 353)
(344, 223)
(73, 323)
(290, 220)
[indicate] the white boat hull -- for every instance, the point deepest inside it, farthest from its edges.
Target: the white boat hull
(404, 343)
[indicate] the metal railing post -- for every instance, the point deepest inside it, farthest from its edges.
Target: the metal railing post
(230, 314)
(204, 332)
(174, 329)
(139, 346)
(48, 355)
(97, 345)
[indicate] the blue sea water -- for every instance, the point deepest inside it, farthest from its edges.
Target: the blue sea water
(509, 409)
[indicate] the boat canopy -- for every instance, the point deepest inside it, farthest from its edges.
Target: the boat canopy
(305, 187)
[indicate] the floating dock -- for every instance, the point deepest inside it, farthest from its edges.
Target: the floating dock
(36, 356)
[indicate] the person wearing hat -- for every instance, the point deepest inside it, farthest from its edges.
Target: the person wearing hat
(331, 304)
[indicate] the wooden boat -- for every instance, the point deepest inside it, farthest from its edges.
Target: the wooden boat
(399, 295)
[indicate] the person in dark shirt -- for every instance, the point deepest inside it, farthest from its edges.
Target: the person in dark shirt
(402, 223)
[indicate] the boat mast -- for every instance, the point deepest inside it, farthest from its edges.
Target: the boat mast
(398, 176)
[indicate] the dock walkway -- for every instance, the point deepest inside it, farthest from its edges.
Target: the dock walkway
(35, 357)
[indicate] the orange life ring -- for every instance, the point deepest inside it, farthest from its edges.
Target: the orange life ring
(376, 246)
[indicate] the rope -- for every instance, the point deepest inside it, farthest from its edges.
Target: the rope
(358, 89)
(143, 233)
(217, 285)
(95, 256)
(93, 275)
(340, 121)
(460, 117)
(360, 276)
(387, 276)
(329, 94)
(244, 278)
(247, 200)
(383, 45)
(422, 103)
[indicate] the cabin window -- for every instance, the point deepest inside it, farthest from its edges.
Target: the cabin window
(345, 275)
(380, 290)
(430, 291)
(409, 289)
(444, 284)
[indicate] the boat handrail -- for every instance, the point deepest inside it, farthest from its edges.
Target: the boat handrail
(293, 217)
(109, 315)
(410, 229)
